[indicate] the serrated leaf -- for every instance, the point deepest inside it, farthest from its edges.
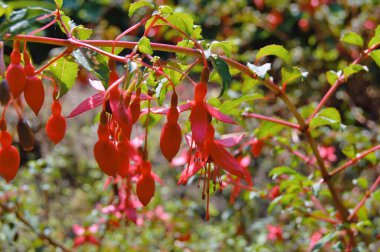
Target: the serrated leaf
(275, 50)
(22, 20)
(222, 69)
(332, 76)
(375, 55)
(182, 21)
(224, 45)
(327, 116)
(322, 242)
(353, 38)
(197, 32)
(64, 71)
(144, 46)
(137, 5)
(282, 170)
(58, 3)
(352, 69)
(290, 74)
(260, 71)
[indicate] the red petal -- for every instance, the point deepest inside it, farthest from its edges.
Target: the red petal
(88, 104)
(225, 160)
(219, 115)
(199, 122)
(191, 170)
(164, 111)
(230, 141)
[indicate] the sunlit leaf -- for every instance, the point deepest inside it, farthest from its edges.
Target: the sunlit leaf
(353, 38)
(275, 50)
(144, 46)
(329, 117)
(137, 5)
(64, 71)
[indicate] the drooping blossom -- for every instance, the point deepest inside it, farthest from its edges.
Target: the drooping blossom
(84, 235)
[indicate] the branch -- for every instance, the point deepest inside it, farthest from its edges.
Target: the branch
(41, 235)
(354, 160)
(271, 119)
(366, 196)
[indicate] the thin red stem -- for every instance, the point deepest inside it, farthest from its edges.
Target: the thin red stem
(271, 119)
(339, 82)
(354, 160)
(62, 54)
(364, 199)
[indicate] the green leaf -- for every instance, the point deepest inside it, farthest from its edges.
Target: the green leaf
(224, 45)
(333, 76)
(362, 182)
(376, 38)
(64, 71)
(165, 10)
(222, 69)
(82, 33)
(291, 74)
(275, 50)
(268, 129)
(137, 5)
(161, 91)
(322, 242)
(22, 20)
(58, 3)
(94, 62)
(230, 104)
(281, 170)
(184, 43)
(197, 32)
(327, 116)
(260, 71)
(371, 158)
(352, 69)
(349, 151)
(144, 46)
(375, 55)
(353, 38)
(182, 21)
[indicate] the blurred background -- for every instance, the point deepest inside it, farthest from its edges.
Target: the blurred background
(60, 187)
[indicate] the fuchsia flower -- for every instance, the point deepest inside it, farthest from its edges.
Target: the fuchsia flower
(211, 158)
(274, 233)
(85, 235)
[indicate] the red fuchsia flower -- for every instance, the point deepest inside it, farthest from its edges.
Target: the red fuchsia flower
(274, 192)
(274, 233)
(237, 182)
(85, 235)
(201, 112)
(315, 237)
(328, 153)
(211, 157)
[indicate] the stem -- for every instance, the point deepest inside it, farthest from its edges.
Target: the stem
(364, 199)
(62, 54)
(41, 235)
(354, 160)
(339, 82)
(271, 119)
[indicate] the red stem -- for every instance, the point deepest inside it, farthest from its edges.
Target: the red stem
(354, 160)
(364, 199)
(271, 119)
(339, 82)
